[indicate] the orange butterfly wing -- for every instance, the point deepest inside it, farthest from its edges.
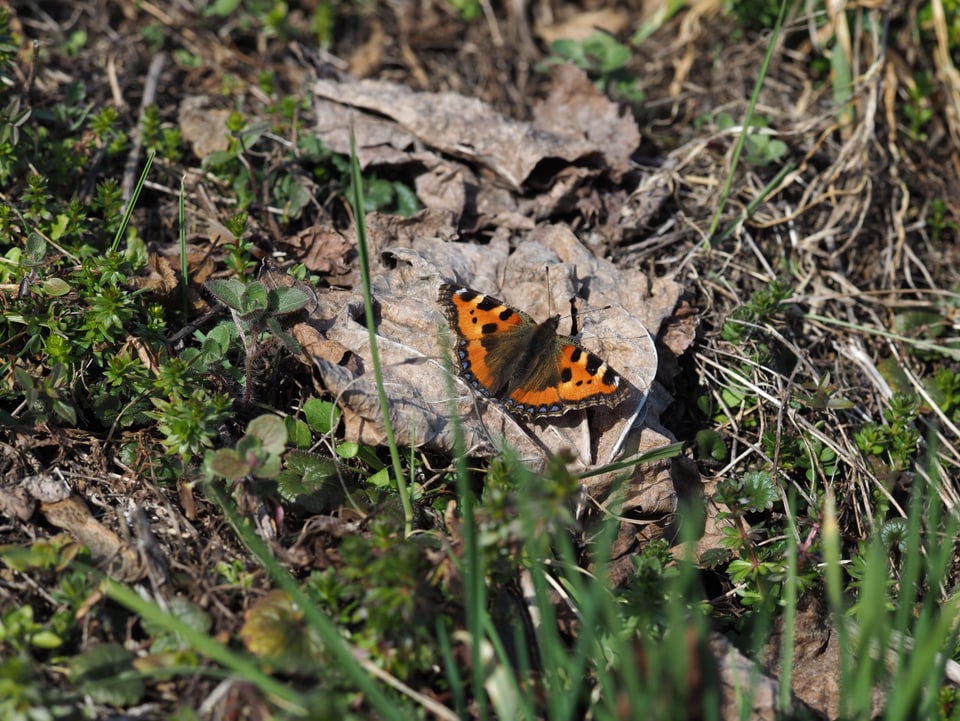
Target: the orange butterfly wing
(584, 380)
(485, 328)
(503, 353)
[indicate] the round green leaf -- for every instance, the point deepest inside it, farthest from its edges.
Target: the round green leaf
(271, 431)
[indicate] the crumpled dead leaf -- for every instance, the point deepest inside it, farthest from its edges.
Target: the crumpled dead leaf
(475, 160)
(547, 272)
(204, 127)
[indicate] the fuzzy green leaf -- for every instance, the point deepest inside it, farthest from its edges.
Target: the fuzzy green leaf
(287, 300)
(271, 431)
(226, 463)
(227, 291)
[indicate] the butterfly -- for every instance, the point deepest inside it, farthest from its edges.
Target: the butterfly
(533, 371)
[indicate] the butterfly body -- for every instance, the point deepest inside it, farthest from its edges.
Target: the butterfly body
(533, 371)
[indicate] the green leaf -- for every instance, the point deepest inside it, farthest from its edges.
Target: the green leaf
(380, 479)
(269, 467)
(323, 416)
(298, 432)
(713, 557)
(710, 445)
(36, 248)
(221, 8)
(46, 640)
(759, 490)
(407, 201)
(254, 298)
(348, 450)
(307, 481)
(217, 342)
(55, 287)
(226, 463)
(227, 291)
(271, 431)
(185, 611)
(378, 194)
(570, 50)
(24, 380)
(106, 674)
(252, 133)
(287, 300)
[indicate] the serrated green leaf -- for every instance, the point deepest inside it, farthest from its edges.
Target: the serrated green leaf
(713, 557)
(759, 490)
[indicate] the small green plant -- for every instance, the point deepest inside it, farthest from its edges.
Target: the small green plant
(765, 306)
(919, 109)
(894, 442)
(809, 455)
(467, 9)
(190, 424)
(761, 148)
(48, 397)
(166, 142)
(257, 455)
(256, 312)
(755, 14)
(756, 562)
(604, 59)
(940, 221)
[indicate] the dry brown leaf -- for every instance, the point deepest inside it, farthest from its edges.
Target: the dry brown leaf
(470, 129)
(323, 250)
(366, 58)
(204, 127)
(575, 108)
(815, 666)
(583, 25)
(412, 330)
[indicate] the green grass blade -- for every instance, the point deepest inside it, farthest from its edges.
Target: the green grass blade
(242, 664)
(128, 211)
(333, 643)
(363, 256)
(745, 127)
